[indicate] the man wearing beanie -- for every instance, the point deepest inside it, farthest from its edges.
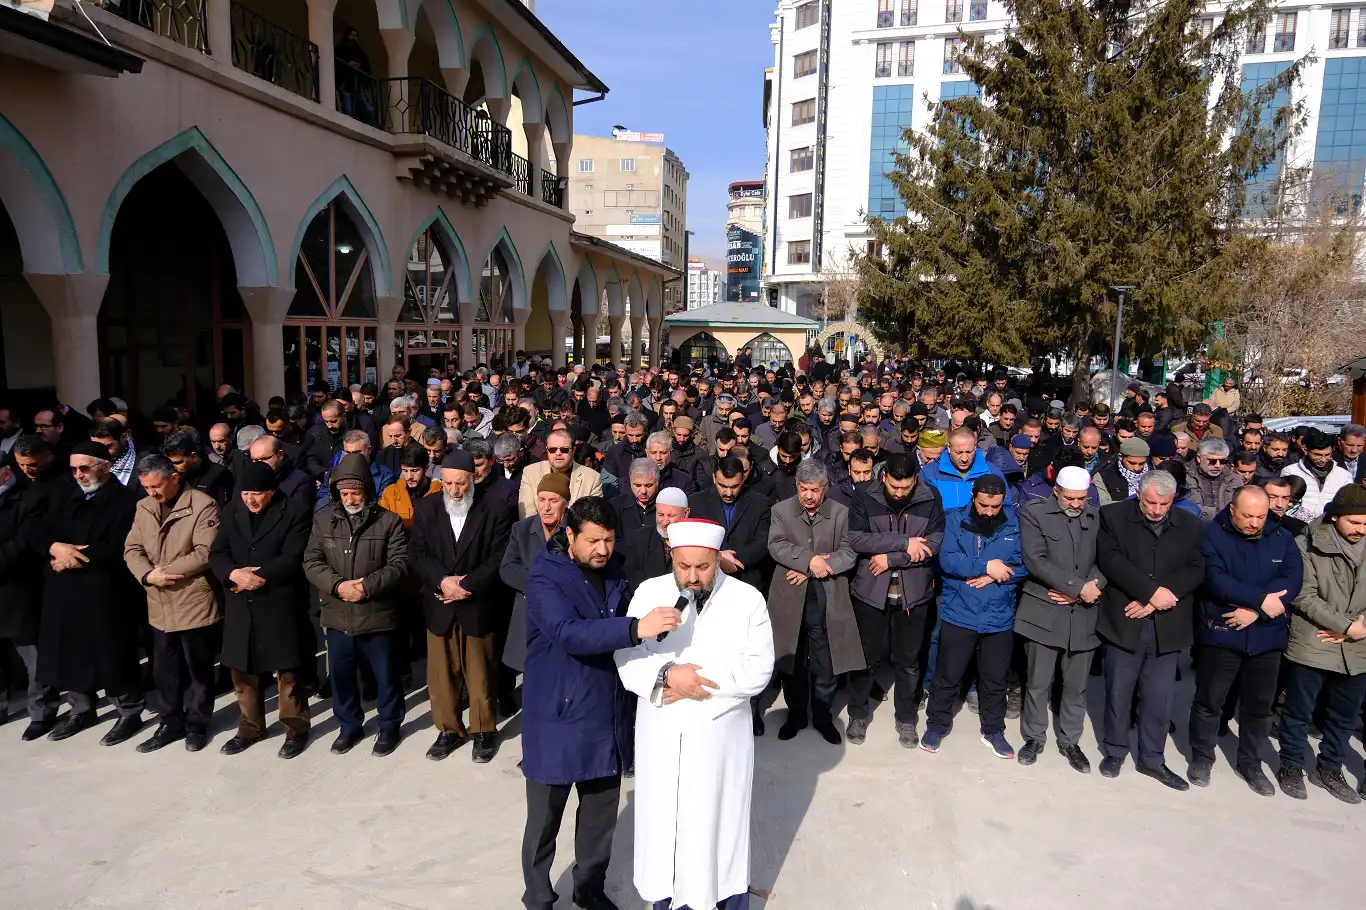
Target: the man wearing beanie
(1325, 662)
(258, 558)
(1117, 480)
(1057, 613)
(457, 547)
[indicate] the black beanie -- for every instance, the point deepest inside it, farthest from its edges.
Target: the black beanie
(257, 477)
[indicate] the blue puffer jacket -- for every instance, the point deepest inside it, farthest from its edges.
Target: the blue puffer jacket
(964, 554)
(1240, 573)
(955, 489)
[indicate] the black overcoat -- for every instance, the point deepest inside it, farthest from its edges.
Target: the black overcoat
(477, 556)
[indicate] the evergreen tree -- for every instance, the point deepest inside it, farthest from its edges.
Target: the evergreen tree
(1110, 144)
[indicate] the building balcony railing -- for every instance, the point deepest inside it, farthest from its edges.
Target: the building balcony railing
(882, 70)
(272, 52)
(416, 105)
(521, 174)
(552, 189)
(884, 18)
(1339, 38)
(909, 16)
(905, 68)
(1361, 35)
(361, 96)
(953, 11)
(1285, 41)
(183, 21)
(977, 10)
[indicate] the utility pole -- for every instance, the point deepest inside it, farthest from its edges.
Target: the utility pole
(1120, 289)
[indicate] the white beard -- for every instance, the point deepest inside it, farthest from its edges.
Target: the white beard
(458, 508)
(353, 510)
(91, 486)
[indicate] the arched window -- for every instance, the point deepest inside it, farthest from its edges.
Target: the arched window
(493, 333)
(702, 347)
(429, 301)
(330, 332)
(769, 350)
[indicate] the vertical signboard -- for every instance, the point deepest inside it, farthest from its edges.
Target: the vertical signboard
(822, 118)
(743, 253)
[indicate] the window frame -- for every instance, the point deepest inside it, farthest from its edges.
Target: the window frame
(799, 205)
(799, 252)
(805, 105)
(805, 64)
(589, 168)
(882, 64)
(626, 165)
(808, 14)
(806, 155)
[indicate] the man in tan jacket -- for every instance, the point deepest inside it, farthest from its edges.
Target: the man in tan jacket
(168, 553)
(559, 456)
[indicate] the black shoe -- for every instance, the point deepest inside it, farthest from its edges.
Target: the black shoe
(907, 737)
(971, 702)
(826, 728)
(507, 707)
(790, 728)
(1199, 772)
(857, 730)
(596, 901)
(386, 742)
(70, 724)
(485, 747)
(345, 742)
(195, 742)
(1029, 752)
(124, 729)
(758, 724)
(238, 744)
(293, 747)
(37, 728)
(164, 736)
(1077, 759)
(1334, 783)
(1014, 703)
(445, 744)
(1256, 779)
(1165, 776)
(1110, 767)
(325, 687)
(1291, 778)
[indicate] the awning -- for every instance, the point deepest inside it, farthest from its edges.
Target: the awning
(55, 47)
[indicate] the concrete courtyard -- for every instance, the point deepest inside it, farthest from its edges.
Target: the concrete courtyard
(847, 827)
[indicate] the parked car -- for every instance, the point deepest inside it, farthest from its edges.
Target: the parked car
(1330, 424)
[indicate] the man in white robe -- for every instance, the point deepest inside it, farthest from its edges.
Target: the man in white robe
(694, 738)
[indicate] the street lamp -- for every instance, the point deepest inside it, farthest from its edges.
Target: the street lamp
(1120, 289)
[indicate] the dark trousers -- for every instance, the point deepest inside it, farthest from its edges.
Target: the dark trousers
(1153, 676)
(1216, 671)
(594, 824)
(378, 650)
(183, 667)
(957, 646)
(1045, 663)
(812, 683)
(18, 668)
(1342, 697)
(895, 634)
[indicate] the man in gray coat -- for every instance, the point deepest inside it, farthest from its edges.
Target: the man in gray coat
(815, 634)
(1057, 612)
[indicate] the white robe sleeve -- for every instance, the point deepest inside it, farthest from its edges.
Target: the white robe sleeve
(639, 666)
(750, 668)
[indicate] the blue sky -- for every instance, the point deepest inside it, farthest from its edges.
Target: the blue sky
(693, 71)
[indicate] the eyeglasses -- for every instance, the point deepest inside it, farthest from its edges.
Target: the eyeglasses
(82, 468)
(558, 450)
(44, 426)
(1213, 460)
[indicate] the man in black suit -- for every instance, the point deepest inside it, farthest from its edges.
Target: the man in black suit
(635, 505)
(457, 546)
(1150, 555)
(649, 557)
(744, 515)
(1351, 443)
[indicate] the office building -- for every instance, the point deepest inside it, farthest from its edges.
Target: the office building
(745, 241)
(705, 284)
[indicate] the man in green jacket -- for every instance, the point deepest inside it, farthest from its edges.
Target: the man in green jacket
(1327, 652)
(357, 559)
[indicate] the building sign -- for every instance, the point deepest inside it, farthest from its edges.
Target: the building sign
(645, 219)
(747, 190)
(630, 136)
(822, 111)
(743, 264)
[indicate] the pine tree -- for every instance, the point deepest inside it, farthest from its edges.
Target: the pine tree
(1092, 157)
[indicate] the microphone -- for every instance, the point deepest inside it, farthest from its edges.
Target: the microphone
(685, 600)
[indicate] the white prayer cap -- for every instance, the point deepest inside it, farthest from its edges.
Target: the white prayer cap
(696, 532)
(672, 496)
(1074, 478)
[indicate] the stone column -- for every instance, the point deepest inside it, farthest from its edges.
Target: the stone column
(73, 304)
(559, 328)
(499, 109)
(219, 15)
(562, 152)
(456, 80)
(576, 330)
(637, 335)
(398, 44)
(466, 357)
(322, 33)
(520, 317)
(655, 325)
(614, 324)
(387, 309)
(267, 307)
(535, 154)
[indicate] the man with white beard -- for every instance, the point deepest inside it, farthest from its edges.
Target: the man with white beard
(457, 548)
(694, 742)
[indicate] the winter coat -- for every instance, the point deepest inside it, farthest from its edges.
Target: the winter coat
(435, 554)
(576, 722)
(1058, 561)
(526, 543)
(632, 520)
(1332, 595)
(874, 528)
(617, 460)
(582, 482)
(1317, 493)
(1240, 572)
(216, 481)
(1136, 563)
(792, 541)
(686, 458)
(964, 554)
(180, 545)
(1211, 494)
(707, 428)
(746, 533)
(21, 577)
(265, 629)
(954, 489)
(398, 499)
(1038, 487)
(371, 546)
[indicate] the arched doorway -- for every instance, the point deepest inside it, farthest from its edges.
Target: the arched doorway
(494, 325)
(330, 333)
(769, 350)
(702, 347)
(429, 323)
(172, 325)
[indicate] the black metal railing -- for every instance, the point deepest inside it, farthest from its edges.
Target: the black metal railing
(417, 105)
(977, 11)
(884, 18)
(361, 96)
(552, 191)
(906, 67)
(1285, 41)
(521, 173)
(272, 52)
(909, 14)
(183, 21)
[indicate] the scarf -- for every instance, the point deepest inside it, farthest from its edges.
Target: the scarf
(1321, 474)
(1130, 477)
(984, 525)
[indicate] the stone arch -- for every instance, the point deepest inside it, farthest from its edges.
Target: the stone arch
(48, 242)
(767, 342)
(253, 250)
(529, 91)
(351, 202)
(557, 117)
(636, 294)
(450, 44)
(395, 13)
(464, 290)
(484, 48)
(854, 328)
(705, 341)
(520, 300)
(589, 289)
(654, 300)
(552, 270)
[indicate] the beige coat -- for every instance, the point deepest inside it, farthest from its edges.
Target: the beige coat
(1332, 596)
(1228, 399)
(180, 545)
(582, 482)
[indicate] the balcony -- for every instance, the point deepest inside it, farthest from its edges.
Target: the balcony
(521, 174)
(977, 10)
(906, 68)
(552, 189)
(884, 18)
(882, 71)
(1285, 41)
(182, 21)
(1338, 38)
(909, 16)
(272, 52)
(953, 11)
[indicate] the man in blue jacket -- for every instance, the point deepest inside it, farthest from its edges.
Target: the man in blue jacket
(1253, 571)
(575, 723)
(954, 471)
(982, 567)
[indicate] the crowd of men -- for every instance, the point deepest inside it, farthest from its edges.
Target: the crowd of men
(917, 534)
